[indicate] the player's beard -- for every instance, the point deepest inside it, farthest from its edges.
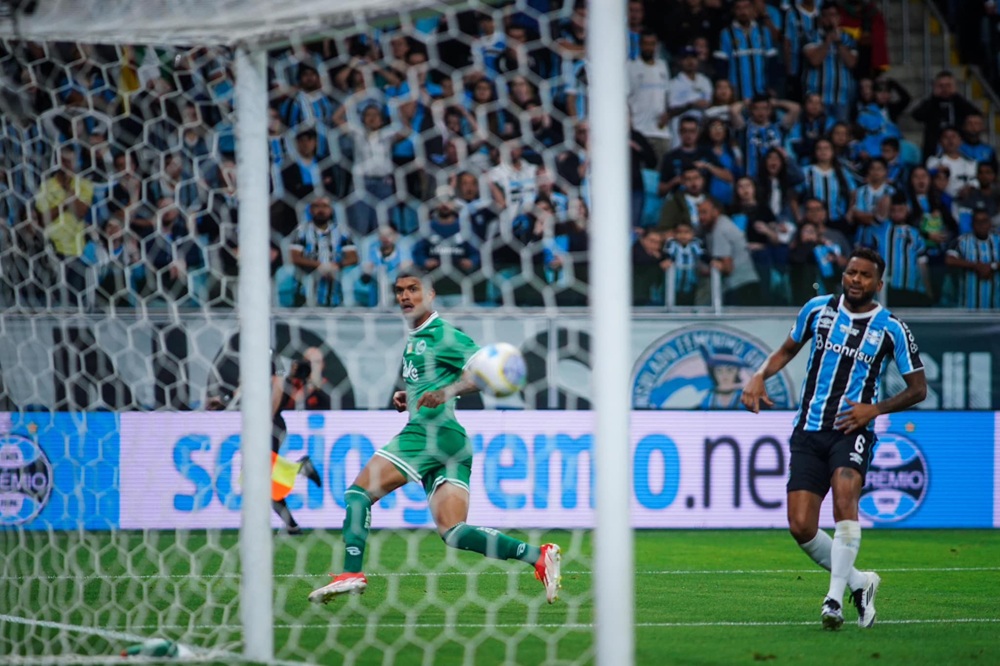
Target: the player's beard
(860, 302)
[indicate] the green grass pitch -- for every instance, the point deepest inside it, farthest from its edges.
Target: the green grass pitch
(702, 597)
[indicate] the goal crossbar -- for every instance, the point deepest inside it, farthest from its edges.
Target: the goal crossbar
(256, 23)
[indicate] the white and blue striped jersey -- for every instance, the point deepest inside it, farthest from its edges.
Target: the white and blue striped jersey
(746, 56)
(755, 141)
(801, 28)
(686, 259)
(976, 293)
(825, 185)
(866, 197)
(905, 250)
(848, 354)
(833, 79)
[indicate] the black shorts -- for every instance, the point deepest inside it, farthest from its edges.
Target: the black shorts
(816, 454)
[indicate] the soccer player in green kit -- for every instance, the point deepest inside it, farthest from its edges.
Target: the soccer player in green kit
(432, 449)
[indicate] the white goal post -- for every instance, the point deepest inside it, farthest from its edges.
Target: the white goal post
(250, 27)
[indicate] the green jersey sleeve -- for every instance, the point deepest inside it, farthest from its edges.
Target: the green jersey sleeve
(456, 348)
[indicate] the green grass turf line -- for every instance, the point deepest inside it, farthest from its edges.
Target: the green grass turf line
(185, 586)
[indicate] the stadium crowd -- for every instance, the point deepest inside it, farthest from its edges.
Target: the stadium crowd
(764, 146)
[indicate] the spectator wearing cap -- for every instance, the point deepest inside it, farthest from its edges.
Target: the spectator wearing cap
(943, 108)
(976, 255)
(690, 93)
(746, 55)
(727, 248)
(690, 154)
(829, 63)
(758, 132)
(801, 27)
(961, 170)
(648, 90)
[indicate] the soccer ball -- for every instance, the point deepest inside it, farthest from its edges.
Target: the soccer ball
(498, 369)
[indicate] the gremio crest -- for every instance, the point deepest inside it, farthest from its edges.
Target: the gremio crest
(703, 367)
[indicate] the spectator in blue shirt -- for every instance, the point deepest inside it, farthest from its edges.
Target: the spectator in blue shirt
(826, 180)
(829, 63)
(760, 131)
(746, 55)
(445, 252)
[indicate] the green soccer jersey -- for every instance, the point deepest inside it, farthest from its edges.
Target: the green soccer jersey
(435, 356)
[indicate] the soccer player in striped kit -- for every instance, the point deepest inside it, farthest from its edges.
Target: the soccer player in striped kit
(851, 339)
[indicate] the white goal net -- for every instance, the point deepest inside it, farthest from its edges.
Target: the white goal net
(450, 137)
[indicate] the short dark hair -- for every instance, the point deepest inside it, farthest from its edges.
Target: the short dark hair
(871, 255)
(714, 202)
(891, 141)
(415, 273)
(873, 161)
(899, 199)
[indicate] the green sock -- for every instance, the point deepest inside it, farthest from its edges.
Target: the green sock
(357, 522)
(491, 543)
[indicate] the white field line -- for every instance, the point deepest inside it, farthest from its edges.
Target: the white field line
(206, 655)
(503, 572)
